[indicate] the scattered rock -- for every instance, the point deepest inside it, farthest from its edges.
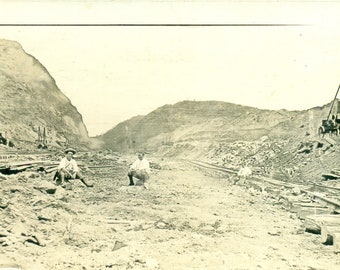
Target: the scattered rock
(160, 225)
(274, 233)
(118, 245)
(46, 187)
(296, 191)
(155, 166)
(16, 188)
(34, 175)
(207, 229)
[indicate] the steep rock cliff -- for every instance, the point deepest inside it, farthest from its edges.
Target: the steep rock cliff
(31, 102)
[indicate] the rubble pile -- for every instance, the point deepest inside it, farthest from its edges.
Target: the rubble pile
(36, 215)
(299, 160)
(29, 204)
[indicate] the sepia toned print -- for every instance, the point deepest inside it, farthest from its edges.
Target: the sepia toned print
(169, 135)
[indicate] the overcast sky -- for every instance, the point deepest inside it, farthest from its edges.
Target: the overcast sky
(112, 73)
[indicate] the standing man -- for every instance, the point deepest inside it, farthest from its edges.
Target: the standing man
(139, 169)
(68, 169)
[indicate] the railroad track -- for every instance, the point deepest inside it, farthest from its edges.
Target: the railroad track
(16, 162)
(324, 192)
(211, 166)
(320, 213)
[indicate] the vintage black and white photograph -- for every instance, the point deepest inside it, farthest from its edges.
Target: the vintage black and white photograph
(169, 135)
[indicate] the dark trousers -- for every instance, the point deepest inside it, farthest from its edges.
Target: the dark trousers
(141, 175)
(60, 177)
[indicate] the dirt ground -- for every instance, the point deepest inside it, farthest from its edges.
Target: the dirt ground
(187, 219)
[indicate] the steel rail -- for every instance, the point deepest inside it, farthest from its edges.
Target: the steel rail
(303, 188)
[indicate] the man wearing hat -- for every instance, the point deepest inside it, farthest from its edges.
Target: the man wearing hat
(139, 169)
(68, 169)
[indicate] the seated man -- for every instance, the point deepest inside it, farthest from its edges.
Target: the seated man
(139, 169)
(68, 169)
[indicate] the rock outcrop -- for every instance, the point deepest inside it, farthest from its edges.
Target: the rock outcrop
(31, 102)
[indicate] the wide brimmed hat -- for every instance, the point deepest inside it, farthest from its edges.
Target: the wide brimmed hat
(70, 150)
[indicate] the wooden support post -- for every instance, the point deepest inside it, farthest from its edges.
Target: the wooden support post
(324, 234)
(336, 242)
(326, 238)
(328, 232)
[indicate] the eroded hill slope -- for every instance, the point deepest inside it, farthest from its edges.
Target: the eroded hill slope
(206, 122)
(31, 99)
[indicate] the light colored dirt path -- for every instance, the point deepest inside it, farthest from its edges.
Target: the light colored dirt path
(207, 223)
(185, 220)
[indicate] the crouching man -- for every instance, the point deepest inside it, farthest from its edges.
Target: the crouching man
(139, 169)
(243, 174)
(68, 169)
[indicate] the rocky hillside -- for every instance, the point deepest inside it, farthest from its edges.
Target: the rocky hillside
(31, 101)
(191, 124)
(282, 144)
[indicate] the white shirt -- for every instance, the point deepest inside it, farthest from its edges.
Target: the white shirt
(69, 165)
(141, 165)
